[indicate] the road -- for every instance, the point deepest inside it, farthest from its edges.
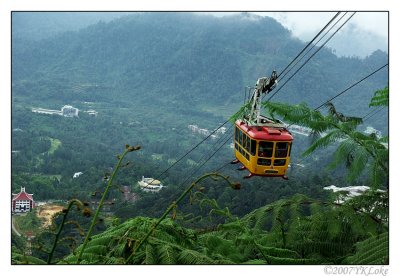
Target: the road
(13, 227)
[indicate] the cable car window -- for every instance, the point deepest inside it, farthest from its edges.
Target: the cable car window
(237, 134)
(240, 138)
(290, 149)
(247, 144)
(265, 149)
(252, 147)
(281, 149)
(279, 162)
(263, 162)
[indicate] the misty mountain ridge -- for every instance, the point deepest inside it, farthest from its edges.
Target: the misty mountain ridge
(166, 58)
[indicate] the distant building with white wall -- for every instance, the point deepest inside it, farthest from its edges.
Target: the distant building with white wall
(369, 130)
(46, 111)
(92, 112)
(221, 130)
(77, 174)
(193, 128)
(66, 111)
(69, 111)
(149, 184)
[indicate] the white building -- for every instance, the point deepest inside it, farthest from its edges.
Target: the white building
(69, 111)
(66, 111)
(221, 130)
(46, 111)
(204, 131)
(77, 174)
(193, 128)
(348, 192)
(149, 184)
(92, 112)
(370, 130)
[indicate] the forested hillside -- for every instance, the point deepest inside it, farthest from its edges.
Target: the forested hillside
(149, 75)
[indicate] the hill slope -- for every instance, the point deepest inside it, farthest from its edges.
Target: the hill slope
(181, 58)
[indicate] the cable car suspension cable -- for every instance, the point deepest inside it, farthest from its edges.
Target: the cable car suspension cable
(315, 37)
(280, 88)
(351, 86)
(315, 44)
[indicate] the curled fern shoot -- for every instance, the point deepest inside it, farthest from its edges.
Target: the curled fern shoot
(60, 228)
(109, 185)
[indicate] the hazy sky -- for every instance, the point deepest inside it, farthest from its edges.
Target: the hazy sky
(364, 33)
(306, 24)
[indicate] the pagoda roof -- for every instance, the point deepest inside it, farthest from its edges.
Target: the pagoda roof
(22, 195)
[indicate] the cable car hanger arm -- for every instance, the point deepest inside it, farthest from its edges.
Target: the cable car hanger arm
(263, 85)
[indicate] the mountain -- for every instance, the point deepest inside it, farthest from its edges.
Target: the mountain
(39, 25)
(151, 74)
(182, 58)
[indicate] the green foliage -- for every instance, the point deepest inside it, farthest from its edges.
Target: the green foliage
(355, 149)
(381, 98)
(316, 233)
(28, 222)
(210, 59)
(17, 258)
(374, 250)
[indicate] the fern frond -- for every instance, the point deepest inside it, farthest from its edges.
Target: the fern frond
(150, 255)
(277, 252)
(24, 259)
(372, 251)
(97, 249)
(358, 163)
(381, 98)
(255, 262)
(324, 141)
(290, 261)
(167, 254)
(192, 257)
(240, 113)
(342, 153)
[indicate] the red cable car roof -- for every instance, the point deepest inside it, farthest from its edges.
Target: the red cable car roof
(264, 132)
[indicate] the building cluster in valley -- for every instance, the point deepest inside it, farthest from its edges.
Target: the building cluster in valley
(205, 132)
(66, 111)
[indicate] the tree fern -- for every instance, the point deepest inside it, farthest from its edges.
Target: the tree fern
(255, 262)
(372, 251)
(167, 254)
(150, 255)
(17, 258)
(355, 149)
(191, 257)
(380, 98)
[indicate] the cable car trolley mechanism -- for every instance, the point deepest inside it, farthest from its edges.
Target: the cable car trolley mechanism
(262, 144)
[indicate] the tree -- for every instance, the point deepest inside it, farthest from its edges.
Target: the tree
(354, 149)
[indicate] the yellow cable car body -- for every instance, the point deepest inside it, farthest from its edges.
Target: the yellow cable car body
(263, 150)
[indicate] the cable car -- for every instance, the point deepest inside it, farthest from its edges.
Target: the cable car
(262, 145)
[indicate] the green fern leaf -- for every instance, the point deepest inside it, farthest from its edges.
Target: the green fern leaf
(167, 254)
